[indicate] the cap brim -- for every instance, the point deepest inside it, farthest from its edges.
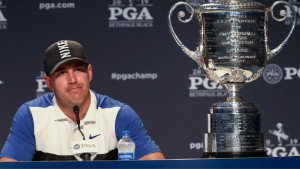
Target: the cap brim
(64, 61)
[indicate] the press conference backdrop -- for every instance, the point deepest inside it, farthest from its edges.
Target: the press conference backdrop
(135, 60)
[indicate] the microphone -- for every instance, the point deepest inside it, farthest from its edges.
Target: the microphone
(80, 149)
(76, 112)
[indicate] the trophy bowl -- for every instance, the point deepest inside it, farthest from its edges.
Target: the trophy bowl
(233, 50)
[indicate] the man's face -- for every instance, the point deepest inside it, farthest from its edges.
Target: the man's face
(71, 83)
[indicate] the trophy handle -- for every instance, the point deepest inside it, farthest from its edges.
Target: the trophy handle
(192, 54)
(272, 53)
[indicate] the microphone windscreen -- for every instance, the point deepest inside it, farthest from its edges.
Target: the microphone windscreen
(76, 109)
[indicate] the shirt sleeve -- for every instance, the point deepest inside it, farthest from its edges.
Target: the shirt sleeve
(127, 119)
(20, 143)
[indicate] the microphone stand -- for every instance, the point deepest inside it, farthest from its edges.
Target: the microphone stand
(86, 156)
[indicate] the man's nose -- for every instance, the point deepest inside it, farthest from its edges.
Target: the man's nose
(72, 78)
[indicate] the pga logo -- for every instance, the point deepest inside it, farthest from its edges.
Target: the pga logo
(291, 72)
(282, 151)
(295, 5)
(76, 146)
(289, 11)
(207, 84)
(88, 145)
(196, 146)
(273, 73)
(41, 84)
(129, 13)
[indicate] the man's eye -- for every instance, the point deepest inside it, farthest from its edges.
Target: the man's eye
(61, 73)
(79, 69)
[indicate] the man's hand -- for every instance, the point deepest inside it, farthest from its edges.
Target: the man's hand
(7, 159)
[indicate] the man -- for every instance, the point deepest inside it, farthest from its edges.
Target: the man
(44, 128)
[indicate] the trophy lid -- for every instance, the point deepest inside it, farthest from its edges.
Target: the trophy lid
(232, 5)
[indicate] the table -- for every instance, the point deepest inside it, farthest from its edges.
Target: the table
(240, 163)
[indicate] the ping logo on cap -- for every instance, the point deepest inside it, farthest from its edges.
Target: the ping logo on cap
(64, 49)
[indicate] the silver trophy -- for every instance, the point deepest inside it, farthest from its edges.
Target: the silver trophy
(233, 50)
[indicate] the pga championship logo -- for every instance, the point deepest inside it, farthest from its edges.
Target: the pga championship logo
(76, 146)
(281, 144)
(42, 87)
(87, 145)
(201, 86)
(130, 14)
(196, 146)
(296, 5)
(274, 74)
(3, 20)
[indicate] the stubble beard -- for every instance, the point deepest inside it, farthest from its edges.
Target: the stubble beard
(69, 101)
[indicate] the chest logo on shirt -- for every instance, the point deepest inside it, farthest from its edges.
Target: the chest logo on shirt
(91, 137)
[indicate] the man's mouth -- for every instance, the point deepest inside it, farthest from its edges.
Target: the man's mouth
(73, 88)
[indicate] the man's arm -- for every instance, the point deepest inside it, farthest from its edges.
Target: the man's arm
(20, 144)
(153, 156)
(145, 148)
(7, 159)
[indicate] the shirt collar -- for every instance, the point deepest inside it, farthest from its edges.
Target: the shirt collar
(89, 117)
(91, 113)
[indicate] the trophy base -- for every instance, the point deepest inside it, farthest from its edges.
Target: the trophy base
(234, 154)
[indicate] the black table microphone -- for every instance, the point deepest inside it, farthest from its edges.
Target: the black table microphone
(84, 156)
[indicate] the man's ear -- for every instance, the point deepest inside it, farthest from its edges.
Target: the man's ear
(48, 82)
(90, 72)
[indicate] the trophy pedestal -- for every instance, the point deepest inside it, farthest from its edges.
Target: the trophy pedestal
(234, 154)
(234, 127)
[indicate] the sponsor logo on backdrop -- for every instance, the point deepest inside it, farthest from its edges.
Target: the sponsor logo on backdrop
(201, 86)
(281, 144)
(130, 14)
(292, 73)
(59, 5)
(134, 76)
(196, 146)
(3, 20)
(274, 74)
(296, 5)
(41, 85)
